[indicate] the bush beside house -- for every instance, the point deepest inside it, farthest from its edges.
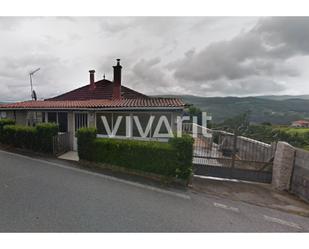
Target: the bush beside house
(173, 159)
(38, 138)
(4, 122)
(85, 140)
(18, 136)
(44, 136)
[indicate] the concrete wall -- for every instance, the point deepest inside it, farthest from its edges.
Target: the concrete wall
(21, 117)
(283, 166)
(247, 148)
(291, 170)
(300, 177)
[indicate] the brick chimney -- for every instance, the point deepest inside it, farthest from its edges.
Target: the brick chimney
(92, 84)
(117, 80)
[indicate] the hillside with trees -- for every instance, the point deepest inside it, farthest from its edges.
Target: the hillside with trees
(276, 110)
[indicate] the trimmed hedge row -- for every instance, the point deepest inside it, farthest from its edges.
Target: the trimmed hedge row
(44, 136)
(38, 138)
(4, 122)
(172, 159)
(85, 139)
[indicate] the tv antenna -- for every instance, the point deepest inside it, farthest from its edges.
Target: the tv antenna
(33, 93)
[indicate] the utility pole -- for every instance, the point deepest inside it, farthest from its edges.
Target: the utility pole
(33, 94)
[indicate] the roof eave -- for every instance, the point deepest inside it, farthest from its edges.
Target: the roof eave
(94, 109)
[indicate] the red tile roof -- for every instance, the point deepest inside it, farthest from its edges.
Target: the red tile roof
(103, 90)
(98, 103)
(302, 121)
(99, 97)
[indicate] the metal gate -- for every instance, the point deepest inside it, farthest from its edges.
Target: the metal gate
(225, 155)
(61, 143)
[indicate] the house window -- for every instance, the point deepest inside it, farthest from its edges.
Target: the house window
(163, 128)
(122, 127)
(63, 121)
(81, 120)
(100, 126)
(111, 120)
(60, 118)
(3, 115)
(52, 117)
(143, 118)
(43, 117)
(34, 118)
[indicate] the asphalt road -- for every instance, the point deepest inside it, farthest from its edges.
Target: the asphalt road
(43, 196)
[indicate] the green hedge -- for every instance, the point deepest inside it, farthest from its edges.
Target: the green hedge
(4, 122)
(38, 138)
(85, 139)
(173, 159)
(44, 136)
(184, 150)
(19, 136)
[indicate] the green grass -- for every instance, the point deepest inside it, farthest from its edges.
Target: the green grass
(293, 130)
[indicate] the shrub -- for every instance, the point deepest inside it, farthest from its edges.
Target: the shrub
(37, 138)
(172, 159)
(85, 141)
(152, 157)
(4, 122)
(184, 150)
(19, 136)
(44, 136)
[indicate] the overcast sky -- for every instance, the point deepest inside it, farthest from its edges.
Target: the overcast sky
(211, 56)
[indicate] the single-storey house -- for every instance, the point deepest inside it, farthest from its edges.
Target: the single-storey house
(301, 123)
(85, 107)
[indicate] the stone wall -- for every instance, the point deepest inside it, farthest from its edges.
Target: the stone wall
(300, 178)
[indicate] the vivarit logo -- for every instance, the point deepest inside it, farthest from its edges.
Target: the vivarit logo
(162, 124)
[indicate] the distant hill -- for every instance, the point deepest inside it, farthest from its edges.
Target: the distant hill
(283, 97)
(271, 109)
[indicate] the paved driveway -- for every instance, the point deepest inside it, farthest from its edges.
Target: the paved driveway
(42, 196)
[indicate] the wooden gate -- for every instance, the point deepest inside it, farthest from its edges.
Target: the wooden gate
(225, 155)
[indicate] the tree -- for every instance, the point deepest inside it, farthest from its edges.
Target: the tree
(238, 124)
(197, 112)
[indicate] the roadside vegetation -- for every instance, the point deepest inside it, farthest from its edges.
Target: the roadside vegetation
(38, 138)
(266, 132)
(172, 159)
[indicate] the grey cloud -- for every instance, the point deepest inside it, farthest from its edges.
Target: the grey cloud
(14, 75)
(145, 71)
(159, 25)
(288, 35)
(148, 76)
(9, 23)
(262, 51)
(191, 55)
